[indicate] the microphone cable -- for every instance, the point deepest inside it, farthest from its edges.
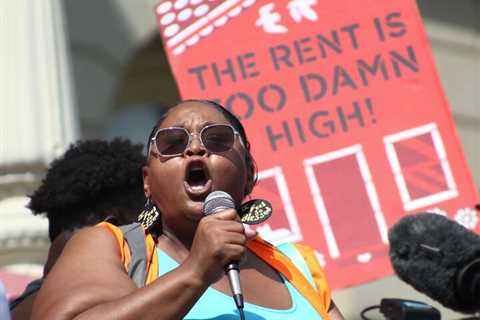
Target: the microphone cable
(364, 317)
(401, 309)
(362, 314)
(241, 313)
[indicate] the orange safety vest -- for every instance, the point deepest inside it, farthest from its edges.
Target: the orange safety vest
(319, 297)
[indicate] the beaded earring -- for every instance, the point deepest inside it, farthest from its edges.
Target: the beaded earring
(149, 216)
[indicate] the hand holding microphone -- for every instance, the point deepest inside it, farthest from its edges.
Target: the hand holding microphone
(219, 243)
(215, 202)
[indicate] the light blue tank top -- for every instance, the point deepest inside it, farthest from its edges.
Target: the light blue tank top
(215, 305)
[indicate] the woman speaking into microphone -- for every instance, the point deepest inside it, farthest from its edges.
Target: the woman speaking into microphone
(196, 148)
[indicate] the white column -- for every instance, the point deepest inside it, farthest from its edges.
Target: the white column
(37, 113)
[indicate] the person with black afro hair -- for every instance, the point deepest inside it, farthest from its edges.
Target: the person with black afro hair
(93, 181)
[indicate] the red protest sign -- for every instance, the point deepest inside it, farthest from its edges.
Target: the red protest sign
(343, 106)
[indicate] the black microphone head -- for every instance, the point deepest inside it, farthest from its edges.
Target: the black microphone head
(217, 201)
(428, 250)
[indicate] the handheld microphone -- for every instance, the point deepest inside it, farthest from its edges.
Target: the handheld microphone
(438, 257)
(215, 202)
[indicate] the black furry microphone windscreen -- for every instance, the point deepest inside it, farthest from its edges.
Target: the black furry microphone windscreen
(438, 257)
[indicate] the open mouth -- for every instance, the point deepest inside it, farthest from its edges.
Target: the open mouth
(197, 181)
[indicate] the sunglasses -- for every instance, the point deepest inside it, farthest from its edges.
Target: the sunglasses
(174, 141)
